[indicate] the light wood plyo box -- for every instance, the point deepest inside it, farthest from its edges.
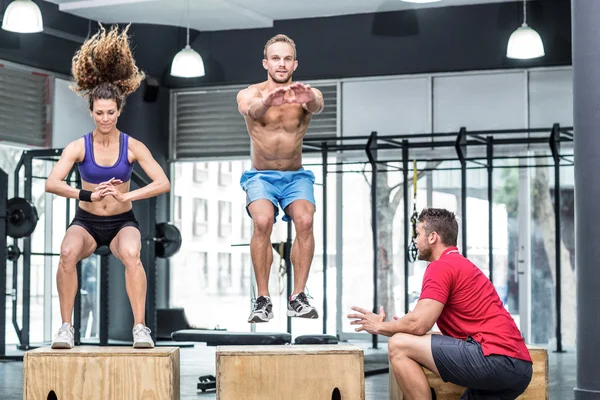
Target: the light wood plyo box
(537, 389)
(102, 373)
(299, 372)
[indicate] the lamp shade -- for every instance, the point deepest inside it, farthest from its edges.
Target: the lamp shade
(525, 43)
(187, 64)
(23, 16)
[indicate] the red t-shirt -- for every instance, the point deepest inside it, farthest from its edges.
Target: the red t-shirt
(471, 306)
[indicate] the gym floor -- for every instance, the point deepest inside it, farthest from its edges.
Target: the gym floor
(200, 360)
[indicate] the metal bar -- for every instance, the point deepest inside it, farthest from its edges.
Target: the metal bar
(104, 320)
(490, 195)
(391, 141)
(77, 307)
(33, 253)
(150, 264)
(429, 144)
(509, 131)
(324, 208)
(15, 269)
(429, 134)
(40, 153)
(314, 146)
(461, 151)
(567, 135)
(386, 163)
(456, 168)
(555, 148)
(287, 256)
(371, 150)
(479, 138)
(405, 187)
(479, 163)
(3, 255)
(26, 304)
(468, 159)
(331, 138)
(15, 297)
(48, 271)
(51, 159)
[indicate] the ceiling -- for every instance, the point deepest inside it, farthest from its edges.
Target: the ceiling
(212, 15)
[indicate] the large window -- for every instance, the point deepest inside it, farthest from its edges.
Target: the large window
(177, 209)
(212, 266)
(200, 217)
(53, 220)
(223, 275)
(200, 172)
(224, 218)
(225, 177)
(246, 223)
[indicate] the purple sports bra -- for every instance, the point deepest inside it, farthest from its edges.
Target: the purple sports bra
(94, 173)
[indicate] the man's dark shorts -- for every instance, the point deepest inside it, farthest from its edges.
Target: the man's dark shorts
(493, 377)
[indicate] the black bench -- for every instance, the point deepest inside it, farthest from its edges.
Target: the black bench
(226, 338)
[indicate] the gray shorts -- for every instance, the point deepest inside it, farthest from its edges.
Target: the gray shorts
(486, 377)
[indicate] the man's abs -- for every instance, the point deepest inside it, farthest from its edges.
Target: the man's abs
(276, 151)
(277, 138)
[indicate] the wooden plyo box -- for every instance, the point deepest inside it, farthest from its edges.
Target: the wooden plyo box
(101, 373)
(298, 372)
(537, 389)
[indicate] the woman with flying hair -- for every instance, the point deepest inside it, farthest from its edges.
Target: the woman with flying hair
(105, 73)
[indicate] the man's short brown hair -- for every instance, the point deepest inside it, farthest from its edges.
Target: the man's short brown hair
(280, 38)
(441, 221)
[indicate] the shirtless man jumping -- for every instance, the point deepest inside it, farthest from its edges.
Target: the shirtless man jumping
(277, 114)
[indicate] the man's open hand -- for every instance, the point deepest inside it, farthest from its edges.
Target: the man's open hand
(368, 321)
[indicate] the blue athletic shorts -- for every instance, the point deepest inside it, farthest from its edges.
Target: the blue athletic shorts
(279, 187)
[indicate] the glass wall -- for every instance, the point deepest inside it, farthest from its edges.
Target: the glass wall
(543, 254)
(212, 274)
(53, 221)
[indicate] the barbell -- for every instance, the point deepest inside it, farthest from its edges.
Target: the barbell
(167, 241)
(21, 217)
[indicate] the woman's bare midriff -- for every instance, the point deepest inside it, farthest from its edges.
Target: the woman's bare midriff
(107, 206)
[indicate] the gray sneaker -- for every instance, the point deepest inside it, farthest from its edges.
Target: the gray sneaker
(298, 306)
(65, 337)
(263, 310)
(142, 338)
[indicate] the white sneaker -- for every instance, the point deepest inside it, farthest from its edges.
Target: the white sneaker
(141, 337)
(65, 337)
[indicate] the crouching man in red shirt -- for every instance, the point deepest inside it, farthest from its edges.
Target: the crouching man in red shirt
(480, 347)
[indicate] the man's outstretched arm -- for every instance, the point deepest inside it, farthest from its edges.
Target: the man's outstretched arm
(418, 322)
(315, 106)
(250, 103)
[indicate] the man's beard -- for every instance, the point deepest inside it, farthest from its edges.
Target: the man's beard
(425, 254)
(280, 81)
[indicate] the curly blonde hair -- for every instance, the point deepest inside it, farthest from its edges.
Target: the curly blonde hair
(104, 68)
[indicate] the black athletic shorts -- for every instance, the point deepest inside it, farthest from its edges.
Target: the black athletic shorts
(486, 377)
(104, 228)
